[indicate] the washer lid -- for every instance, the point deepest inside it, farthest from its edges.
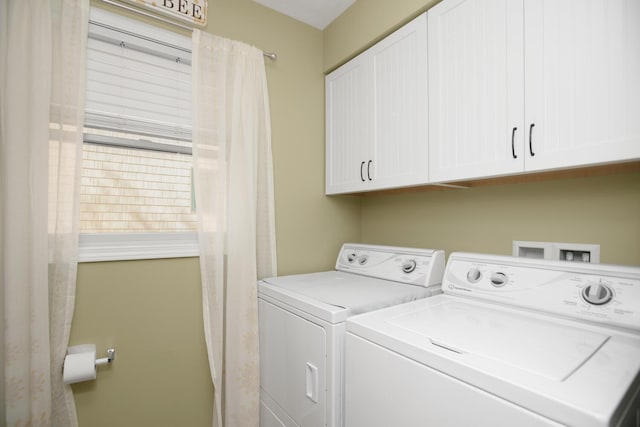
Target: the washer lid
(510, 353)
(356, 294)
(540, 347)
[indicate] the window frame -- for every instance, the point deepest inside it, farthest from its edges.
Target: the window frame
(136, 246)
(96, 247)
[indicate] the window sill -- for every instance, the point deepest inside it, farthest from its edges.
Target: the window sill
(137, 246)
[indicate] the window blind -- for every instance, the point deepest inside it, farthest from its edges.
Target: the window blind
(136, 166)
(136, 84)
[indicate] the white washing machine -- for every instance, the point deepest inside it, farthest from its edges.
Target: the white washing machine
(302, 324)
(511, 342)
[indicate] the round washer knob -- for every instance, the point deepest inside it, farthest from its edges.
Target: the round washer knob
(362, 260)
(597, 294)
(351, 257)
(474, 275)
(409, 265)
(499, 279)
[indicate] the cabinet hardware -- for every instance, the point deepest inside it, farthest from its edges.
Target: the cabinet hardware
(513, 146)
(361, 172)
(369, 170)
(530, 141)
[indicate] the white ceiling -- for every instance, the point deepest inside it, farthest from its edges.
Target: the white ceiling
(317, 13)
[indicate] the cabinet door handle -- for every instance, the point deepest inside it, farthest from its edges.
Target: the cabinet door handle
(513, 143)
(530, 140)
(369, 170)
(361, 172)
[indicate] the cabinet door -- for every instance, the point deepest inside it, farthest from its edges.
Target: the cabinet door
(349, 116)
(400, 150)
(582, 94)
(475, 89)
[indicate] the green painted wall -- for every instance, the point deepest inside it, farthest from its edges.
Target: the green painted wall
(151, 310)
(307, 222)
(363, 24)
(603, 210)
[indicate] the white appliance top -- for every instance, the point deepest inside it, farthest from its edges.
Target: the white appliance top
(547, 349)
(367, 278)
(422, 267)
(595, 292)
(539, 335)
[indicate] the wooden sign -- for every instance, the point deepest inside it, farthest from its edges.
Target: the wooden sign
(192, 11)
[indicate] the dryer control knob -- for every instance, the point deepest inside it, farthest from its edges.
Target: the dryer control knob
(474, 275)
(499, 279)
(409, 265)
(597, 294)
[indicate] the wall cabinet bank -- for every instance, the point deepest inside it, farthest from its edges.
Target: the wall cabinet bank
(503, 88)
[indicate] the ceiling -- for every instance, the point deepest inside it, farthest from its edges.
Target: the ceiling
(317, 13)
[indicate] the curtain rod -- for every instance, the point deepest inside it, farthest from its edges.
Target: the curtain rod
(271, 55)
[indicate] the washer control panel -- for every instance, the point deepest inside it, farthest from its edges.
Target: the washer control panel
(422, 267)
(599, 293)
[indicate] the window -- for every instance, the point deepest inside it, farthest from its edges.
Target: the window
(136, 198)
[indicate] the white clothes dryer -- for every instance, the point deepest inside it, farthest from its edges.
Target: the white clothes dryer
(302, 324)
(511, 342)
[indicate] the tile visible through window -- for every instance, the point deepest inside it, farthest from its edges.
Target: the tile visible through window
(130, 190)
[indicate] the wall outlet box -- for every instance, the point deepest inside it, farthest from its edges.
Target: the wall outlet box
(538, 250)
(573, 252)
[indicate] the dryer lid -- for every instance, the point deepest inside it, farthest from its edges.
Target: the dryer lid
(541, 347)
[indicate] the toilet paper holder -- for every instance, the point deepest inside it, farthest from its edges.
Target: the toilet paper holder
(111, 353)
(111, 356)
(80, 363)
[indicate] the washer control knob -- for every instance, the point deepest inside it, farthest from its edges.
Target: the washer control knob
(499, 279)
(409, 265)
(362, 260)
(351, 257)
(474, 275)
(597, 294)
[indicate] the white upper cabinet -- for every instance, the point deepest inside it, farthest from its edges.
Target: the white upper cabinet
(376, 115)
(349, 125)
(401, 107)
(475, 88)
(582, 92)
(527, 85)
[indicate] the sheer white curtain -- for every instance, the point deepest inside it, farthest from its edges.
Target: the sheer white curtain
(41, 115)
(234, 203)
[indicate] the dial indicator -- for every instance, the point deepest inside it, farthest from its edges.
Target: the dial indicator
(597, 293)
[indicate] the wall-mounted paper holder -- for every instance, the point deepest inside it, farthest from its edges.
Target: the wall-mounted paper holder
(80, 363)
(111, 356)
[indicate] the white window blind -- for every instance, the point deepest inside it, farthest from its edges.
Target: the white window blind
(137, 167)
(136, 83)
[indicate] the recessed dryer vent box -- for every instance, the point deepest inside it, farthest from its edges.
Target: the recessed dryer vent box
(539, 250)
(574, 252)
